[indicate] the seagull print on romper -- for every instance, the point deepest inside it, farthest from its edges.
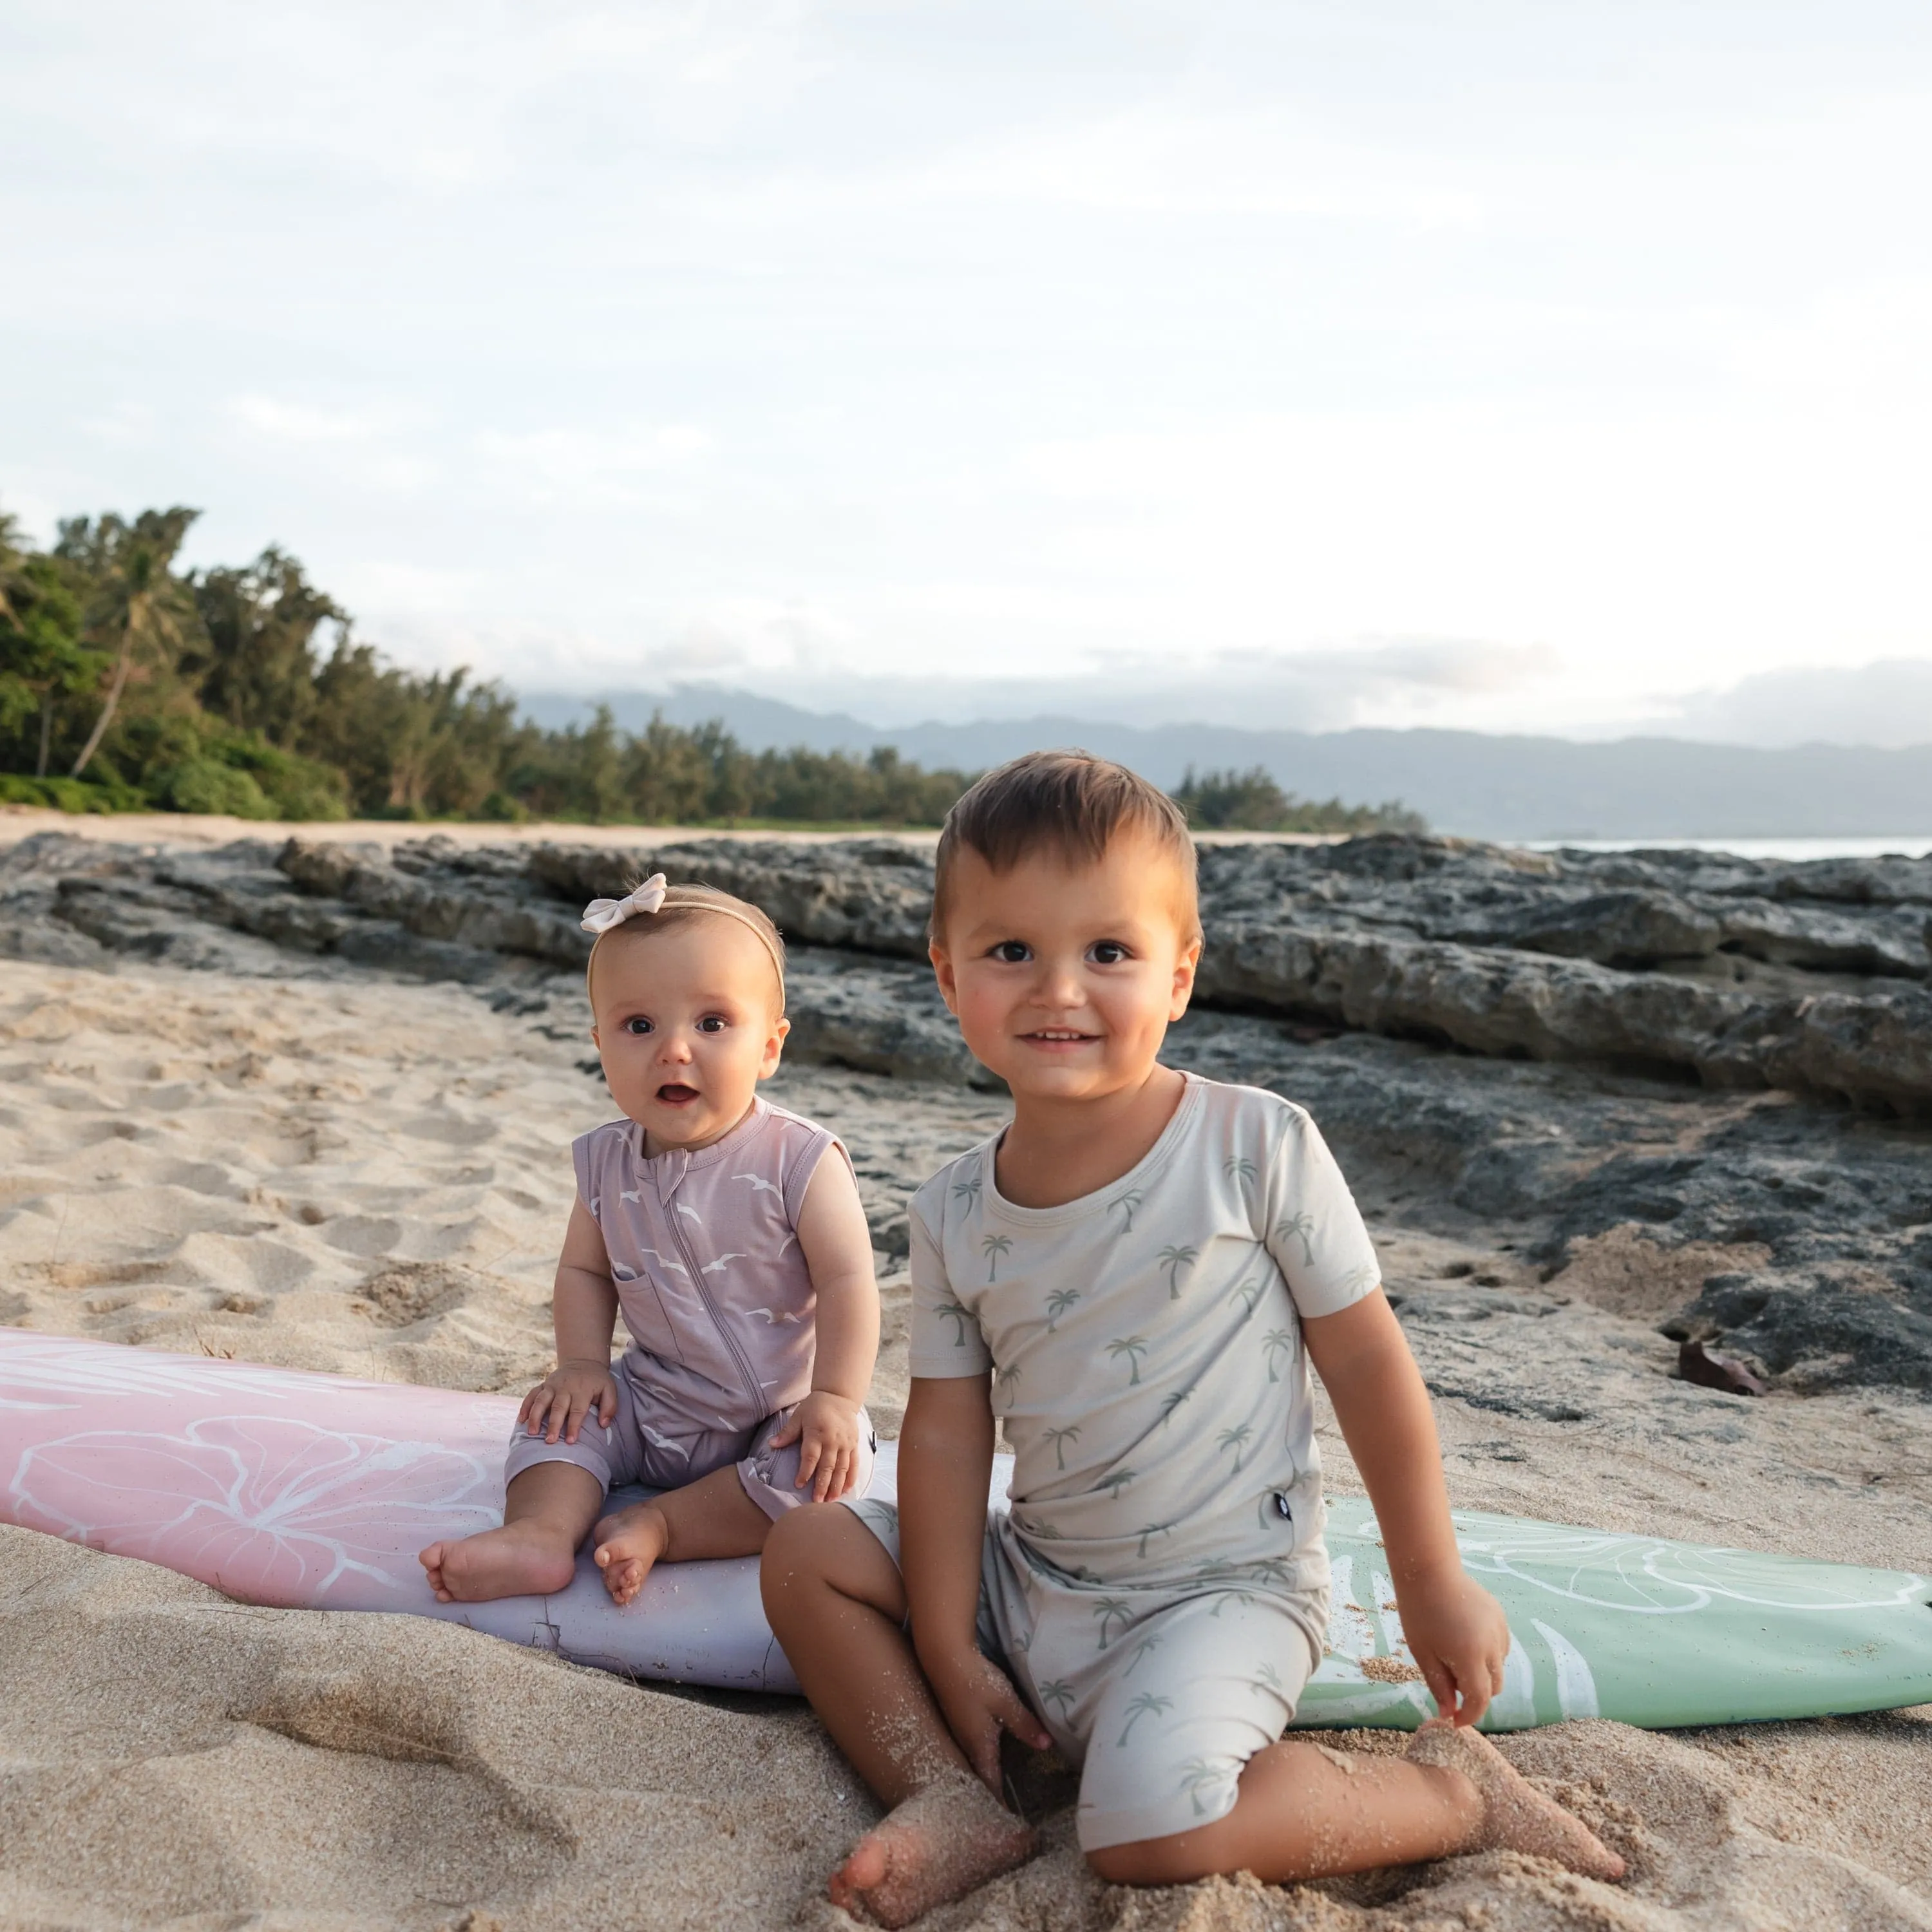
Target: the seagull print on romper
(722, 1263)
(759, 1185)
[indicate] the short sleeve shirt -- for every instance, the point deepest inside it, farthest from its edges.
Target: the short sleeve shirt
(1144, 1341)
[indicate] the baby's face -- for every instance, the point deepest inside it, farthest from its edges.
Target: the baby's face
(1065, 978)
(687, 1025)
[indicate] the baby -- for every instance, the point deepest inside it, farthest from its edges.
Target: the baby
(738, 1256)
(1133, 1277)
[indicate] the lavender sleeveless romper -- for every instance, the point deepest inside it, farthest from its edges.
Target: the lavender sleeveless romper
(714, 1290)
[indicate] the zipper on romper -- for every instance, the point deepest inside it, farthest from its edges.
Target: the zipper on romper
(730, 1340)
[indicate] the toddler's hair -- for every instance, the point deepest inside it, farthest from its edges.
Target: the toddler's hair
(1070, 801)
(682, 904)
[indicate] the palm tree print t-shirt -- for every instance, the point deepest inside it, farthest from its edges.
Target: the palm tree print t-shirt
(1145, 1342)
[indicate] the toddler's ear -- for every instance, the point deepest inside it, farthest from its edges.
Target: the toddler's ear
(942, 971)
(1185, 968)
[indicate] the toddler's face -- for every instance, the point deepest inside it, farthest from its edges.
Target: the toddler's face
(687, 1025)
(1065, 978)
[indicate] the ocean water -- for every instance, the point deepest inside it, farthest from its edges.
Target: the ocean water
(1911, 845)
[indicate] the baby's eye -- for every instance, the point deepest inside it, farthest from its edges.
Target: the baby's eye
(636, 1023)
(1108, 953)
(712, 1023)
(1012, 953)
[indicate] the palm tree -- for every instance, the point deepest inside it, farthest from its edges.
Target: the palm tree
(1238, 1169)
(1057, 1690)
(1133, 1347)
(1277, 1342)
(1139, 1707)
(1006, 1380)
(1140, 1649)
(1059, 1438)
(1126, 1203)
(1110, 1610)
(1169, 1403)
(1149, 1530)
(1235, 1438)
(1251, 1293)
(1173, 1259)
(1057, 1303)
(953, 1312)
(993, 1247)
(967, 1190)
(1119, 1480)
(140, 605)
(1301, 1225)
(1203, 1773)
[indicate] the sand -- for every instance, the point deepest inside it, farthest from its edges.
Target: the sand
(341, 1173)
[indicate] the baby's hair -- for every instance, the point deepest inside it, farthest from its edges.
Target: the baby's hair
(682, 905)
(1070, 802)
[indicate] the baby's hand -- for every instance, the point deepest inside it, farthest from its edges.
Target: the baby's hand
(1459, 1637)
(558, 1404)
(827, 1427)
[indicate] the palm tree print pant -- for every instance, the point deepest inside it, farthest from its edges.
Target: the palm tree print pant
(1160, 1695)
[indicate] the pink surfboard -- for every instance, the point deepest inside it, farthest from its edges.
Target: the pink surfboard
(315, 1492)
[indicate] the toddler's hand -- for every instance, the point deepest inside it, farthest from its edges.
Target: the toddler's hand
(827, 1427)
(1459, 1636)
(978, 1701)
(558, 1404)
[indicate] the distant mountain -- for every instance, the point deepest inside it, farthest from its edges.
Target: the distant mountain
(1468, 782)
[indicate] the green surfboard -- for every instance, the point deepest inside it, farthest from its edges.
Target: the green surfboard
(1639, 1628)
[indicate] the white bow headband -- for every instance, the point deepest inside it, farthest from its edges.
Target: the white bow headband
(600, 915)
(603, 916)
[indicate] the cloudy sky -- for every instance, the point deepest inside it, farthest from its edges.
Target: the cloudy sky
(1460, 361)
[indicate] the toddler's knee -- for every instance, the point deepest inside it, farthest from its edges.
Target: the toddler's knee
(795, 1549)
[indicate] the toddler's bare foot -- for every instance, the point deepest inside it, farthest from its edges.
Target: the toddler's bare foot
(627, 1546)
(947, 1840)
(521, 1559)
(1517, 1816)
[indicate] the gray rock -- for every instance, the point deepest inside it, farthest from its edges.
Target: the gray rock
(1623, 928)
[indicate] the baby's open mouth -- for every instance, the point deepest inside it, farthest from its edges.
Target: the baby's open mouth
(675, 1093)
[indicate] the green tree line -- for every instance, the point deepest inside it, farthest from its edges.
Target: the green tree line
(127, 682)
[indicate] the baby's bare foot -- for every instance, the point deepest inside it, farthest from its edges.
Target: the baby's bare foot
(521, 1559)
(627, 1546)
(1517, 1816)
(949, 1840)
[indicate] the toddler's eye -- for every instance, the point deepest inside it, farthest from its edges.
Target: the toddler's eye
(712, 1023)
(636, 1023)
(1012, 953)
(1108, 953)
